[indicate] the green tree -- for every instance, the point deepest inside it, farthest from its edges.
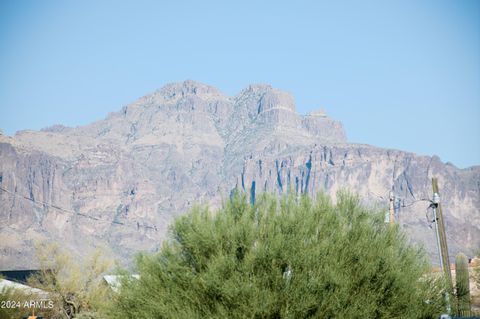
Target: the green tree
(288, 258)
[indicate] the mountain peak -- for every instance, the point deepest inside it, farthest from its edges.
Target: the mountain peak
(189, 87)
(276, 99)
(187, 142)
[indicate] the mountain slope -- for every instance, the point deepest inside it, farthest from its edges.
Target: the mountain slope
(120, 181)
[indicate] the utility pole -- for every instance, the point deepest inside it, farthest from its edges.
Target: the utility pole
(442, 240)
(392, 208)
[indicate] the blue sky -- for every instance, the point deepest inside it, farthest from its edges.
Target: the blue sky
(398, 74)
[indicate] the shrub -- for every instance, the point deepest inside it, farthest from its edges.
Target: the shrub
(287, 258)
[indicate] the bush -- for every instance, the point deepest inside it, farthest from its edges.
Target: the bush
(15, 303)
(288, 258)
(76, 288)
(8, 295)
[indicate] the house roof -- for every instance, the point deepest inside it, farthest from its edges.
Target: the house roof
(114, 281)
(8, 284)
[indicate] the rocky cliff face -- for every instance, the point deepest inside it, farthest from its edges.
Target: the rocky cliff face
(120, 181)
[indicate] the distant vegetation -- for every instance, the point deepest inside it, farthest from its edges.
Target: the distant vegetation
(288, 258)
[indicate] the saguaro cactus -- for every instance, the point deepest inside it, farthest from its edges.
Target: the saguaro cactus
(462, 285)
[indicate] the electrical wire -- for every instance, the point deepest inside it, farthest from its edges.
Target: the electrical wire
(449, 237)
(136, 225)
(430, 220)
(415, 201)
(376, 195)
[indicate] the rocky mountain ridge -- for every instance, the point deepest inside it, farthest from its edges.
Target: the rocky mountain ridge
(120, 181)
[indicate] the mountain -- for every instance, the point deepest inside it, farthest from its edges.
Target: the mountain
(120, 181)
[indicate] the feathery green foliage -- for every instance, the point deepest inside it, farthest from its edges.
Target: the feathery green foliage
(288, 258)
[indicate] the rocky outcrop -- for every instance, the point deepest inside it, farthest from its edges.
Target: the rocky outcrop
(120, 181)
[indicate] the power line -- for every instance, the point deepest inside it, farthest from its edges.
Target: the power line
(414, 202)
(136, 225)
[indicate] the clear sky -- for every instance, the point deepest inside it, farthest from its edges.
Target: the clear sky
(398, 74)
